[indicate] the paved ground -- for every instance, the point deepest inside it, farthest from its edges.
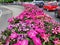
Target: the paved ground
(16, 9)
(7, 12)
(51, 13)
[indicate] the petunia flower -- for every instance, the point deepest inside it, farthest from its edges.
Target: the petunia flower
(39, 30)
(10, 27)
(13, 35)
(18, 43)
(45, 37)
(56, 42)
(7, 41)
(37, 41)
(24, 42)
(10, 20)
(20, 37)
(32, 33)
(54, 31)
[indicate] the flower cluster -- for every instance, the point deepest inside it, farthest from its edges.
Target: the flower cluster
(31, 27)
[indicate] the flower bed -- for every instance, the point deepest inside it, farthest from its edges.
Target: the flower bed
(31, 27)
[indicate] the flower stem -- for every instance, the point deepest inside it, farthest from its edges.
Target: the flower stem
(49, 43)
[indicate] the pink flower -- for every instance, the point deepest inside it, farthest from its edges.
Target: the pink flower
(56, 42)
(37, 41)
(28, 21)
(20, 16)
(24, 42)
(54, 31)
(32, 33)
(45, 37)
(17, 17)
(15, 44)
(37, 21)
(17, 25)
(7, 42)
(40, 30)
(18, 43)
(11, 20)
(20, 37)
(13, 35)
(10, 27)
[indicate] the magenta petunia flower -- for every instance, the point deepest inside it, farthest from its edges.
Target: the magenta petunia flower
(21, 16)
(20, 37)
(32, 33)
(37, 41)
(24, 42)
(13, 35)
(39, 30)
(18, 43)
(28, 21)
(7, 42)
(11, 20)
(10, 27)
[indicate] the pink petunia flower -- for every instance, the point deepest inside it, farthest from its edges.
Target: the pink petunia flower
(24, 42)
(37, 41)
(45, 37)
(10, 27)
(56, 42)
(54, 31)
(39, 30)
(18, 43)
(7, 42)
(32, 33)
(11, 20)
(13, 35)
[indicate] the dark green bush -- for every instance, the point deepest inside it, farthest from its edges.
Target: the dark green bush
(6, 1)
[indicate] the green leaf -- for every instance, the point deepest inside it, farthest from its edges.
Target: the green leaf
(52, 38)
(16, 29)
(16, 20)
(50, 27)
(58, 35)
(30, 41)
(43, 43)
(50, 43)
(2, 40)
(25, 18)
(7, 33)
